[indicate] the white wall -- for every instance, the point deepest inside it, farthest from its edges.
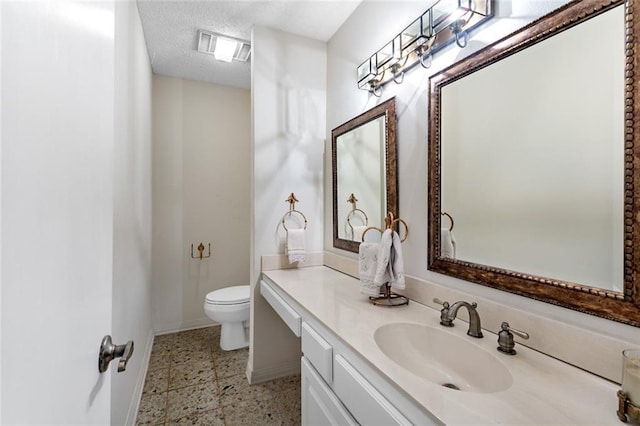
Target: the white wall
(346, 50)
(288, 113)
(201, 142)
(132, 210)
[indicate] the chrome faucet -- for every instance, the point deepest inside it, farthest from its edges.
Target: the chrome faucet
(449, 313)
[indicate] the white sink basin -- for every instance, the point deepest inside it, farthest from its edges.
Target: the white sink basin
(443, 358)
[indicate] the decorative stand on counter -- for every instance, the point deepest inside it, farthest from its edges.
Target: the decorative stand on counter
(387, 297)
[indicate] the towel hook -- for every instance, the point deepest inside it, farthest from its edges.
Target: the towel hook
(292, 200)
(450, 218)
(201, 250)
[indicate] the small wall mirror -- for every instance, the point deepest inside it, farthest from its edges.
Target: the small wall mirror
(364, 174)
(534, 159)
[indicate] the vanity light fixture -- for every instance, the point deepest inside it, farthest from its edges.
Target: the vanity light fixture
(224, 48)
(442, 24)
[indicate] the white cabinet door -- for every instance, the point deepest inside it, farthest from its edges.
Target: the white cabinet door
(365, 402)
(319, 404)
(318, 352)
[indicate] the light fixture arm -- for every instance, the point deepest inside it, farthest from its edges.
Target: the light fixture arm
(398, 74)
(461, 35)
(426, 57)
(376, 90)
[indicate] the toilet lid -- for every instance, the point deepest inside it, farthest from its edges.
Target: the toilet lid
(229, 295)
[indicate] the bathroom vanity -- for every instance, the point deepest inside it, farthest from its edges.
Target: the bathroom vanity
(373, 365)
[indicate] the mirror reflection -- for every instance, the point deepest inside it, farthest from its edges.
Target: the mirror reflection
(361, 170)
(364, 174)
(532, 157)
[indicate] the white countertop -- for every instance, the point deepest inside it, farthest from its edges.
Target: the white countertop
(545, 391)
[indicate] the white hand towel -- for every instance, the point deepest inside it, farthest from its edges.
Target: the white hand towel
(295, 245)
(357, 233)
(390, 267)
(447, 244)
(368, 263)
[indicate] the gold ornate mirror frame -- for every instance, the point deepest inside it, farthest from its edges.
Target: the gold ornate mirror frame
(622, 307)
(386, 109)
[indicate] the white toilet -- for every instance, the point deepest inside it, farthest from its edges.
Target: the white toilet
(230, 307)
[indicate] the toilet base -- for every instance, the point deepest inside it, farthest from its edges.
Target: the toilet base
(234, 335)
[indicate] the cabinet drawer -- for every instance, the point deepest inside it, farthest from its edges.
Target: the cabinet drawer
(320, 406)
(363, 401)
(286, 312)
(318, 352)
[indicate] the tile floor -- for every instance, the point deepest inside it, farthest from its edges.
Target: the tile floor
(191, 381)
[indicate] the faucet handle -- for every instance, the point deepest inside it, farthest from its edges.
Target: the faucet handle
(444, 313)
(522, 334)
(505, 338)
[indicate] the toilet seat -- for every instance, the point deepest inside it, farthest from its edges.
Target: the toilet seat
(229, 296)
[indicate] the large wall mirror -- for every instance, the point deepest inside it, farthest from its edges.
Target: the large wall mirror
(364, 173)
(534, 157)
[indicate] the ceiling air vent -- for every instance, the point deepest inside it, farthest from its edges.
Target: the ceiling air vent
(224, 48)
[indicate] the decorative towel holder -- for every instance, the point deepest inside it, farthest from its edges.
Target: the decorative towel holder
(201, 250)
(389, 223)
(387, 297)
(353, 200)
(292, 200)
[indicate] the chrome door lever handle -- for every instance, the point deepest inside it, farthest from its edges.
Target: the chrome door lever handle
(109, 351)
(126, 355)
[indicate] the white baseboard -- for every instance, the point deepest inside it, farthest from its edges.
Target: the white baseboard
(184, 326)
(289, 368)
(134, 406)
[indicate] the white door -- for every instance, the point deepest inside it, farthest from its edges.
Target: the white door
(57, 205)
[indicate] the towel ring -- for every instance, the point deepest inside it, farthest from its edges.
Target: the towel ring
(389, 222)
(369, 229)
(406, 229)
(450, 218)
(287, 214)
(352, 213)
(353, 200)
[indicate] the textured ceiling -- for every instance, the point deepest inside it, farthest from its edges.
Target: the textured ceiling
(171, 27)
